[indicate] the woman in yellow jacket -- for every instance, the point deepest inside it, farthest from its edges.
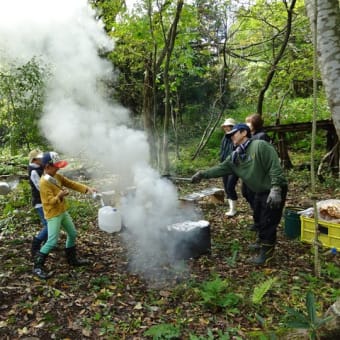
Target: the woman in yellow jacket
(53, 192)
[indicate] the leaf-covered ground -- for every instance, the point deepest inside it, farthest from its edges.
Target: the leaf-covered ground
(110, 300)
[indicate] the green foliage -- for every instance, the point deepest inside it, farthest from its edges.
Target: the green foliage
(24, 189)
(163, 331)
(215, 296)
(261, 289)
(306, 320)
(107, 326)
(231, 333)
(12, 166)
(215, 139)
(100, 282)
(234, 247)
(332, 270)
(22, 94)
(18, 198)
(104, 294)
(261, 40)
(82, 210)
(301, 109)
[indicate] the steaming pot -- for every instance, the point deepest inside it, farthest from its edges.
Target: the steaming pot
(189, 239)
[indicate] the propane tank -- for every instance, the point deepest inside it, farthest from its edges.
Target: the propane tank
(109, 219)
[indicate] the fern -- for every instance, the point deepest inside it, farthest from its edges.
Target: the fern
(214, 294)
(260, 290)
(163, 331)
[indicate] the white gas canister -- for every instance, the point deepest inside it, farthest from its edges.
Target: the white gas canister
(4, 188)
(109, 219)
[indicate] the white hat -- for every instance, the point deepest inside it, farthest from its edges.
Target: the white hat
(35, 154)
(229, 122)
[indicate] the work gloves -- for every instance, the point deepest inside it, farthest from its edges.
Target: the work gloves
(274, 199)
(197, 177)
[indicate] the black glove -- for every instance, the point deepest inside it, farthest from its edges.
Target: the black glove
(274, 199)
(197, 177)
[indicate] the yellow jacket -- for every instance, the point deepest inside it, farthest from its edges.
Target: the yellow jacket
(52, 205)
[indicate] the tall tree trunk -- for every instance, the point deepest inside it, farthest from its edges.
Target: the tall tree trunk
(220, 101)
(328, 50)
(148, 106)
(153, 66)
(277, 59)
(169, 45)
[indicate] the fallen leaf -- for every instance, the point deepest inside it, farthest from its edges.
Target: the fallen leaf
(86, 332)
(138, 306)
(23, 331)
(164, 293)
(40, 325)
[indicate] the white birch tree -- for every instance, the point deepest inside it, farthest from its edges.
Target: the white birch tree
(328, 50)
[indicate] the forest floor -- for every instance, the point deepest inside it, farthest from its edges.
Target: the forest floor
(111, 300)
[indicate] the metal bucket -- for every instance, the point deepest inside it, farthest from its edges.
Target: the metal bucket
(189, 239)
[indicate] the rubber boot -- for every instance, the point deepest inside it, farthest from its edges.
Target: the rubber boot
(36, 244)
(266, 254)
(39, 263)
(256, 246)
(253, 227)
(71, 256)
(232, 208)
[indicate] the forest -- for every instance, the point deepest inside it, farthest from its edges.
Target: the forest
(133, 95)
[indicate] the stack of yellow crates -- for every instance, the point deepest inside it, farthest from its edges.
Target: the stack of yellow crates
(329, 233)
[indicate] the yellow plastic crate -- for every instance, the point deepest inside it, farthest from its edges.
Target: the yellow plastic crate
(329, 233)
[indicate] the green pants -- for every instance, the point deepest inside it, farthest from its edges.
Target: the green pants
(54, 225)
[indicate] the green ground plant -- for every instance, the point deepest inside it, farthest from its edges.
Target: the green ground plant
(220, 335)
(235, 248)
(332, 270)
(261, 289)
(306, 320)
(214, 294)
(163, 331)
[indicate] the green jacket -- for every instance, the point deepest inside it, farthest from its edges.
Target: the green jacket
(260, 169)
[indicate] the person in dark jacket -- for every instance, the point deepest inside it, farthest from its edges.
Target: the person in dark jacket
(255, 123)
(229, 181)
(257, 163)
(35, 170)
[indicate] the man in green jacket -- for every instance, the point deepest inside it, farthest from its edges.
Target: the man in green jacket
(256, 162)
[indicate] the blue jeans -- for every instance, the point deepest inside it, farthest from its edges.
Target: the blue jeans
(42, 236)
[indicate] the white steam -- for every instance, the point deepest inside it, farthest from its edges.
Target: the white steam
(78, 117)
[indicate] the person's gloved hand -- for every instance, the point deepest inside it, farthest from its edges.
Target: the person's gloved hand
(274, 199)
(197, 177)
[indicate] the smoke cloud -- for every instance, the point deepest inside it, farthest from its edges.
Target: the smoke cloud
(78, 117)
